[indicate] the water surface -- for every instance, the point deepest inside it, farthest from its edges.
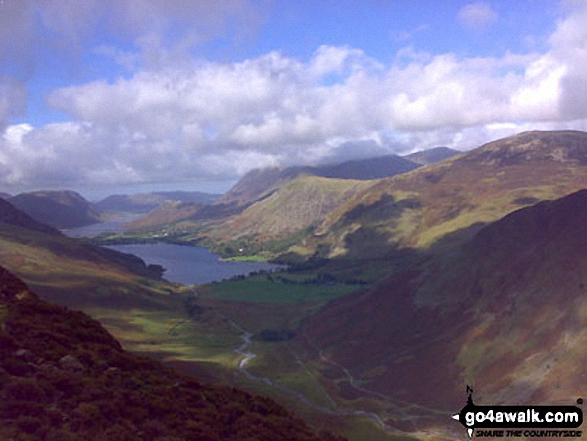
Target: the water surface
(191, 265)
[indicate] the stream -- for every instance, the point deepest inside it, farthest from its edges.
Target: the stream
(248, 355)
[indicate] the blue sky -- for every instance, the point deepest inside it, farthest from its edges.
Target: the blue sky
(105, 96)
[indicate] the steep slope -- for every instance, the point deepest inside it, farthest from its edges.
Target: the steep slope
(60, 268)
(260, 181)
(11, 215)
(297, 205)
(260, 184)
(457, 195)
(63, 377)
(60, 209)
(432, 156)
(504, 312)
(145, 202)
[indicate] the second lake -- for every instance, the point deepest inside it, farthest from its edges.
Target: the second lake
(191, 265)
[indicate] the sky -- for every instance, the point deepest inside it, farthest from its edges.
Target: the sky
(126, 96)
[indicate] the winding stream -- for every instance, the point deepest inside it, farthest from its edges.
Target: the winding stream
(248, 355)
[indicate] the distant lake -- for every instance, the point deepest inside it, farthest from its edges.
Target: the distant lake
(113, 226)
(191, 265)
(184, 264)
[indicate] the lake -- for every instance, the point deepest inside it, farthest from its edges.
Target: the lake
(113, 226)
(184, 264)
(191, 265)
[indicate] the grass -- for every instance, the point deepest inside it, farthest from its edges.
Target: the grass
(254, 258)
(172, 336)
(261, 290)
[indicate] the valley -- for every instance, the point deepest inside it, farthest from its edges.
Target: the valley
(398, 291)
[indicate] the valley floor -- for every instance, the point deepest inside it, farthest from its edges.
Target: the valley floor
(255, 344)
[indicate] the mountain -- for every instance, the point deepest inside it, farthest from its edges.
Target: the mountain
(372, 219)
(65, 377)
(11, 215)
(450, 200)
(261, 184)
(60, 209)
(457, 195)
(432, 156)
(70, 271)
(504, 312)
(260, 181)
(297, 205)
(5, 195)
(145, 202)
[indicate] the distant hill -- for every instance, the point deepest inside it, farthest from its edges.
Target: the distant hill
(260, 184)
(370, 168)
(503, 312)
(62, 269)
(432, 156)
(64, 377)
(414, 209)
(9, 214)
(145, 202)
(259, 181)
(5, 195)
(60, 209)
(482, 185)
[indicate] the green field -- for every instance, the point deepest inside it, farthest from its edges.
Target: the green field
(259, 289)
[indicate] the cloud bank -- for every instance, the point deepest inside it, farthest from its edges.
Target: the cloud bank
(195, 119)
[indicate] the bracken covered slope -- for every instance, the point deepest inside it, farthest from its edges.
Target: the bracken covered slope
(63, 377)
(505, 312)
(417, 209)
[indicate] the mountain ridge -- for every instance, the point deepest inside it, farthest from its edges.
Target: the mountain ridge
(59, 209)
(503, 312)
(432, 156)
(145, 202)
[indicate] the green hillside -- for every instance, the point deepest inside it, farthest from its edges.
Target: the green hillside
(65, 378)
(504, 312)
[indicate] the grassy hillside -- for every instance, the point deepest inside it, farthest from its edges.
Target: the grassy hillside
(504, 312)
(433, 155)
(72, 272)
(65, 378)
(419, 208)
(298, 204)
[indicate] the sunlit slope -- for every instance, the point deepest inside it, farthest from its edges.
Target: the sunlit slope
(418, 208)
(506, 312)
(65, 377)
(69, 271)
(259, 184)
(298, 204)
(448, 200)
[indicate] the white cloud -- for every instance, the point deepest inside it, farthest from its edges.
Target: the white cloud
(477, 16)
(212, 120)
